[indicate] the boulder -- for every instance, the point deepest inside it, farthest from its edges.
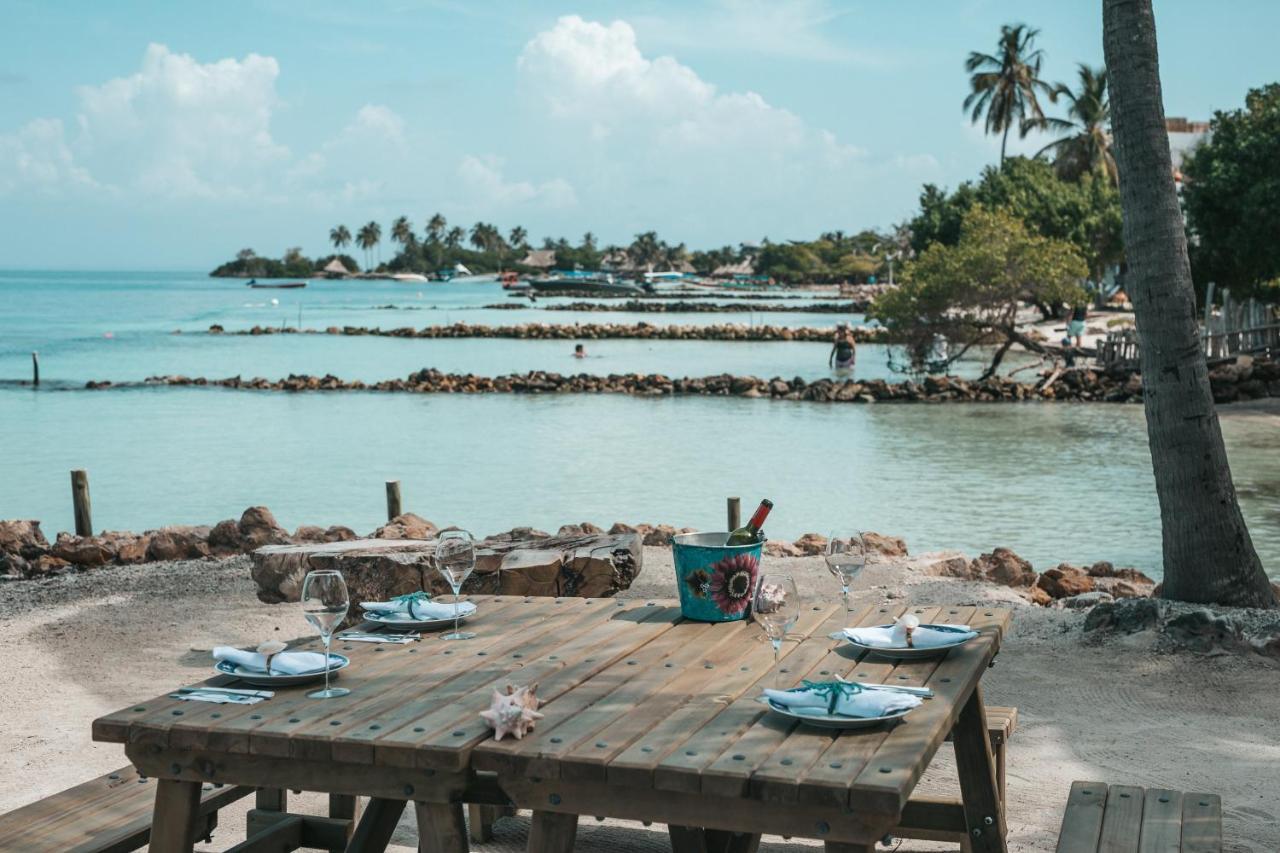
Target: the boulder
(886, 546)
(46, 564)
(950, 567)
(22, 537)
(339, 533)
(1036, 596)
(224, 538)
(1083, 601)
(179, 542)
(1204, 631)
(586, 528)
(660, 535)
(519, 534)
(1004, 567)
(1124, 617)
(258, 527)
(620, 527)
(811, 544)
(375, 569)
(128, 547)
(406, 525)
(1065, 581)
(782, 548)
(304, 533)
(83, 551)
(13, 566)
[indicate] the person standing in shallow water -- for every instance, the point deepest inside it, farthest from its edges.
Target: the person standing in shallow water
(843, 349)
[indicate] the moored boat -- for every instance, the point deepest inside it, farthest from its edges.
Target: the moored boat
(289, 285)
(577, 282)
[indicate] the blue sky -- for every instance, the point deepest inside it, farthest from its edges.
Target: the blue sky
(170, 135)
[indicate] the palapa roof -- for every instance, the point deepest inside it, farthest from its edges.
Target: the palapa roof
(618, 259)
(336, 266)
(745, 267)
(543, 258)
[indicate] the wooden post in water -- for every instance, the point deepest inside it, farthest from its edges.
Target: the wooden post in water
(735, 513)
(393, 499)
(80, 502)
(35, 369)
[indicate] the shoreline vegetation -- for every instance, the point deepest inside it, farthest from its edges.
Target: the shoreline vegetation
(1244, 379)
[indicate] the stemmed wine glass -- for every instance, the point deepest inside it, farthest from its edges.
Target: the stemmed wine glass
(846, 556)
(325, 603)
(455, 558)
(776, 608)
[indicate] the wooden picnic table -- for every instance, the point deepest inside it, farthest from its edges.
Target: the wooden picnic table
(648, 717)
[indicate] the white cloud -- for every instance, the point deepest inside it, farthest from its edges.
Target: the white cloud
(37, 158)
(483, 178)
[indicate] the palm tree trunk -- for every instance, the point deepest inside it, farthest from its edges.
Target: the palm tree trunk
(1004, 141)
(1208, 556)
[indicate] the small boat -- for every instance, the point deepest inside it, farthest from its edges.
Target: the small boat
(509, 280)
(581, 283)
(408, 277)
(290, 285)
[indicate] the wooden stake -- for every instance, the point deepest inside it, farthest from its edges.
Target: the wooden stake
(393, 499)
(35, 369)
(735, 513)
(80, 502)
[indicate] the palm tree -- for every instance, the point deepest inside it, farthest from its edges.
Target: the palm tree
(453, 238)
(1208, 555)
(479, 236)
(340, 237)
(646, 250)
(589, 241)
(1085, 145)
(1004, 86)
(519, 238)
(365, 240)
(375, 234)
(435, 227)
(402, 232)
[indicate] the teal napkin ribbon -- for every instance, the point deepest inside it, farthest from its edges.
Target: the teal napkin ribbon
(412, 598)
(834, 691)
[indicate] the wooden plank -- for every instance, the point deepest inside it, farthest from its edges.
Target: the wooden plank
(376, 826)
(1121, 820)
(1201, 823)
(283, 834)
(979, 785)
(552, 832)
(441, 828)
(888, 779)
(347, 808)
(480, 820)
(691, 839)
(173, 828)
(448, 736)
(635, 766)
(1161, 821)
(731, 772)
(1082, 820)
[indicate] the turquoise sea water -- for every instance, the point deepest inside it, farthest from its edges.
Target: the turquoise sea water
(1053, 482)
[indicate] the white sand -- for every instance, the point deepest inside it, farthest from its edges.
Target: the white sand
(83, 645)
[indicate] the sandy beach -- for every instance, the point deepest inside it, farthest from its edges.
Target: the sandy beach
(82, 645)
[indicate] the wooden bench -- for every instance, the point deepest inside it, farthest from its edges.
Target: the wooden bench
(1127, 819)
(110, 814)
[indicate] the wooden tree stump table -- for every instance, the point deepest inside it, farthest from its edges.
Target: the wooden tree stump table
(647, 717)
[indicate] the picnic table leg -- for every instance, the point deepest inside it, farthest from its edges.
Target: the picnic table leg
(441, 828)
(376, 826)
(173, 825)
(552, 832)
(344, 807)
(979, 788)
(480, 818)
(691, 839)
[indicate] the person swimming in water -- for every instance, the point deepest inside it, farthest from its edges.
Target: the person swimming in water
(843, 349)
(579, 351)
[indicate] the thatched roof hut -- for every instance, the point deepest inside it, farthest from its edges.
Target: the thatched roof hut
(744, 267)
(540, 258)
(335, 269)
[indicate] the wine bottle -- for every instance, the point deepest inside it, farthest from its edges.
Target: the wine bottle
(754, 531)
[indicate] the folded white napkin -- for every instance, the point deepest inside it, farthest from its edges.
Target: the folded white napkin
(815, 700)
(285, 663)
(406, 609)
(923, 637)
(220, 698)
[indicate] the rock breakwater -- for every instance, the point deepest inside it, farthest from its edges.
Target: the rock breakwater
(682, 306)
(582, 331)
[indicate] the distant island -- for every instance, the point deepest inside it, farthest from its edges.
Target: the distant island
(294, 264)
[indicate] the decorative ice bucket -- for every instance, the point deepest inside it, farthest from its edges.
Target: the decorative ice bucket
(716, 581)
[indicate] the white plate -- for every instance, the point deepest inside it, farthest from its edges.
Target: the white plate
(903, 653)
(465, 610)
(836, 721)
(261, 679)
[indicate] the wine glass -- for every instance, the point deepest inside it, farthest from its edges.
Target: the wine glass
(324, 603)
(846, 555)
(455, 558)
(776, 608)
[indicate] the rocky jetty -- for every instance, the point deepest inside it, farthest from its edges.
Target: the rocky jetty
(582, 331)
(637, 306)
(1065, 585)
(1244, 380)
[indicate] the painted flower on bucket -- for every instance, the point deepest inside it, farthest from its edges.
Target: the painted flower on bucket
(732, 580)
(699, 583)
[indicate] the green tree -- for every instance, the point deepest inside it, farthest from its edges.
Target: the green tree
(519, 238)
(402, 232)
(1232, 197)
(436, 228)
(1208, 555)
(970, 293)
(1005, 86)
(340, 237)
(1085, 146)
(369, 236)
(646, 251)
(454, 236)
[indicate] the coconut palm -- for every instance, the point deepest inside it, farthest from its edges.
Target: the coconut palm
(402, 232)
(1208, 555)
(340, 237)
(1004, 86)
(646, 250)
(369, 236)
(1085, 145)
(453, 238)
(519, 238)
(589, 241)
(435, 228)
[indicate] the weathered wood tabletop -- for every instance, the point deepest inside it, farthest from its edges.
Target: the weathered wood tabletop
(648, 717)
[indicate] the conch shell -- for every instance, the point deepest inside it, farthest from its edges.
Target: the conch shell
(270, 649)
(904, 626)
(512, 713)
(772, 597)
